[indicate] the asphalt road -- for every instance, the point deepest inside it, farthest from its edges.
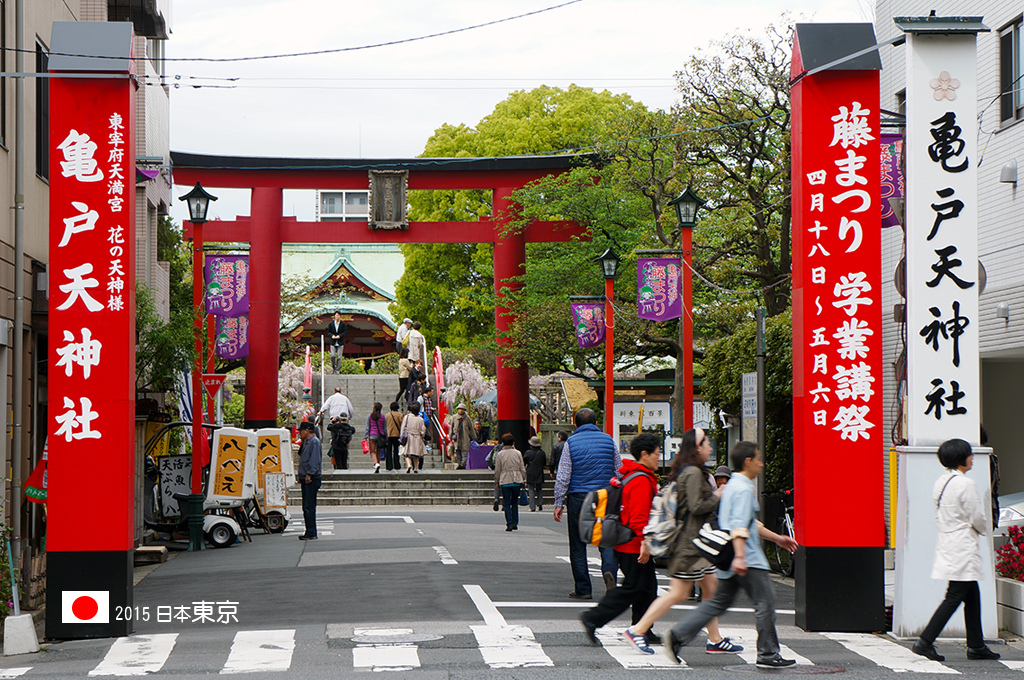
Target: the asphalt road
(436, 591)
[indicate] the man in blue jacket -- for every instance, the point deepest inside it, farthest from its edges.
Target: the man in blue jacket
(589, 461)
(308, 474)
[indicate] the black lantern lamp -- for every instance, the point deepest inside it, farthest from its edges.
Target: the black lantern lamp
(687, 204)
(198, 203)
(609, 263)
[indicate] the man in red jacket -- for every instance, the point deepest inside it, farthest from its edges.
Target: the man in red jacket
(640, 585)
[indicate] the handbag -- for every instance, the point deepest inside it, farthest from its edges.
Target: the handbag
(366, 446)
(524, 499)
(715, 545)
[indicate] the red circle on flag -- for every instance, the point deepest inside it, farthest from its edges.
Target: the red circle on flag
(85, 608)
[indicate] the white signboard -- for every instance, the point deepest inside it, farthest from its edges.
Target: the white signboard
(942, 240)
(276, 490)
(750, 406)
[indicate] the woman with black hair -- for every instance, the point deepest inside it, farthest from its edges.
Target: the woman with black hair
(957, 554)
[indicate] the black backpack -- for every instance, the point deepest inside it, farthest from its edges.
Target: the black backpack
(600, 522)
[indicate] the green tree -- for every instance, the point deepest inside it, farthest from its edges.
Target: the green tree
(728, 358)
(450, 288)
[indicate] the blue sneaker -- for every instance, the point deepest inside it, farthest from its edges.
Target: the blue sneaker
(723, 646)
(638, 641)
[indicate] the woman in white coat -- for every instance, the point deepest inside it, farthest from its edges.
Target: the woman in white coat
(957, 553)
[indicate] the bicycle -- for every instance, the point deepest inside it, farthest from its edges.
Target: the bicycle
(783, 559)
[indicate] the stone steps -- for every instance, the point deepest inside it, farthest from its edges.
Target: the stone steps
(462, 487)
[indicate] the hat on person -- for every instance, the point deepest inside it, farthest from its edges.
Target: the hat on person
(723, 471)
(534, 441)
(406, 320)
(343, 416)
(460, 407)
(306, 425)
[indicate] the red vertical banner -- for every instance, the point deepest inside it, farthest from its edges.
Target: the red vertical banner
(837, 316)
(91, 431)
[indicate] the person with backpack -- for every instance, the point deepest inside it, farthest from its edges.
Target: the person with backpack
(737, 515)
(341, 437)
(590, 459)
(640, 581)
(695, 502)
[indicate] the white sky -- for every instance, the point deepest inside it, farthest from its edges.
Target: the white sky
(385, 102)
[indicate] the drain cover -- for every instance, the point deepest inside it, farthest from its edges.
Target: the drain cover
(395, 639)
(799, 669)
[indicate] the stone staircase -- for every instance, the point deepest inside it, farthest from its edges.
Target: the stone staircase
(429, 487)
(363, 391)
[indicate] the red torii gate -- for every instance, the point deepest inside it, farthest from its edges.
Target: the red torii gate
(266, 229)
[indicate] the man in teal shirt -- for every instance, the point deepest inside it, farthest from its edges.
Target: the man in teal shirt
(737, 514)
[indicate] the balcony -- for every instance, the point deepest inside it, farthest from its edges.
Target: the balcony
(150, 17)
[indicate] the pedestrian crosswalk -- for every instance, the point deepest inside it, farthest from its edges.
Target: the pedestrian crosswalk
(494, 645)
(324, 527)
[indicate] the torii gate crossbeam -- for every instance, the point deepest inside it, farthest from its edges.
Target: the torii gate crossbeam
(266, 229)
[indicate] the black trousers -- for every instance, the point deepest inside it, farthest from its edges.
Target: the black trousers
(957, 592)
(391, 461)
(403, 387)
(639, 589)
(309, 503)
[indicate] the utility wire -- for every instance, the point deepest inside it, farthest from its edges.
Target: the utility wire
(337, 50)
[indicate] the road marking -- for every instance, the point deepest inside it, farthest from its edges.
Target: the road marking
(628, 656)
(510, 647)
(391, 657)
(260, 651)
(489, 612)
(1013, 665)
(502, 645)
(747, 639)
(136, 655)
(521, 604)
(14, 672)
(446, 557)
(405, 518)
(887, 654)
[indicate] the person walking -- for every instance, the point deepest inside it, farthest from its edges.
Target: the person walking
(556, 452)
(462, 435)
(413, 430)
(589, 461)
(640, 581)
(336, 332)
(394, 428)
(308, 473)
(417, 344)
(417, 377)
(335, 405)
(737, 514)
(961, 522)
(535, 459)
(376, 434)
(402, 333)
(509, 475)
(404, 366)
(696, 501)
(341, 437)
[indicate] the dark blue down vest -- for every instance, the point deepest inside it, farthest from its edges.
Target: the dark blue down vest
(593, 459)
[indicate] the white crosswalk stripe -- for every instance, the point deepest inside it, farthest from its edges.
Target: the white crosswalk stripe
(628, 656)
(260, 651)
(501, 645)
(888, 654)
(136, 655)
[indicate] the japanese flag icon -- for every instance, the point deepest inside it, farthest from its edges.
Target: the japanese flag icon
(85, 606)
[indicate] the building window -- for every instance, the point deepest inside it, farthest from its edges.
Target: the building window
(1010, 73)
(901, 102)
(42, 113)
(344, 206)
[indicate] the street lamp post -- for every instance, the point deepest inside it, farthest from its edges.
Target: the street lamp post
(609, 267)
(686, 206)
(198, 203)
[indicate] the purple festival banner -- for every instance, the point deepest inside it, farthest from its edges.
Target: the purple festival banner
(657, 289)
(892, 179)
(227, 285)
(232, 337)
(588, 320)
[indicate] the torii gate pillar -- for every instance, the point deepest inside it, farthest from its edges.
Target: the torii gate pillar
(513, 381)
(264, 308)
